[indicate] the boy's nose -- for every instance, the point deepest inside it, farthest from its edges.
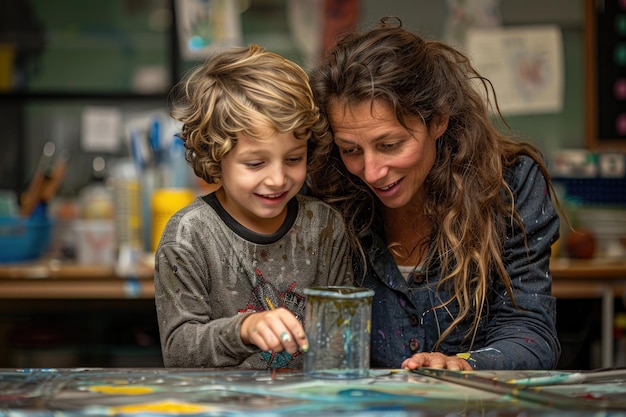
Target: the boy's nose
(277, 176)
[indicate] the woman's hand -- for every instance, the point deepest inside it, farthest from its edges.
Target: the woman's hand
(436, 360)
(274, 330)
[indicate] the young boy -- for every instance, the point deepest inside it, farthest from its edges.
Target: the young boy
(231, 266)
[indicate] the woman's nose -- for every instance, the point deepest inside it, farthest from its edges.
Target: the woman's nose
(374, 168)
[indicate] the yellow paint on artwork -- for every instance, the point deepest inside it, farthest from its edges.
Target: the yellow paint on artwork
(161, 407)
(123, 390)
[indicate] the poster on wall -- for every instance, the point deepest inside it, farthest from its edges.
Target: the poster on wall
(524, 65)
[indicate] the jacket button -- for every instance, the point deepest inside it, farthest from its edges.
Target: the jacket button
(413, 320)
(414, 346)
(418, 278)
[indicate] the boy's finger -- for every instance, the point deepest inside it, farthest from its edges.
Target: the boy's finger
(303, 342)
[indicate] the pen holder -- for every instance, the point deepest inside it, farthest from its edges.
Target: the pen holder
(338, 326)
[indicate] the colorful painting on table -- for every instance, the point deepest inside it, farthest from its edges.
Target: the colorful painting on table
(197, 392)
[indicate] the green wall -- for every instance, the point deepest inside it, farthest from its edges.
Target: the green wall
(551, 131)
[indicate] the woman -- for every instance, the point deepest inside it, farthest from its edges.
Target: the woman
(451, 221)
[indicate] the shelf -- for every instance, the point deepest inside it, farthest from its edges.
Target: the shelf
(62, 281)
(89, 95)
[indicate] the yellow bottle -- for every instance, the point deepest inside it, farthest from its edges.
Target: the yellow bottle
(165, 203)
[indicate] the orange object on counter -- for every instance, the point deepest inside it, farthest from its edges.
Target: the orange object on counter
(580, 244)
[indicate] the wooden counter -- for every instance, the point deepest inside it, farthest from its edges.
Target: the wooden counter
(54, 280)
(587, 278)
(571, 279)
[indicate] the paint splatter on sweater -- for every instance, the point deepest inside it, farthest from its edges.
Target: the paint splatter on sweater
(407, 316)
(211, 272)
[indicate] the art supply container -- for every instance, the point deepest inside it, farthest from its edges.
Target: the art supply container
(165, 203)
(338, 326)
(95, 242)
(127, 201)
(24, 238)
(128, 223)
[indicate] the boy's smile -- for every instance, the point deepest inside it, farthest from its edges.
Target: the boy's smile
(259, 177)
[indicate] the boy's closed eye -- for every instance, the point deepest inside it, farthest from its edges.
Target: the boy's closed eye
(254, 164)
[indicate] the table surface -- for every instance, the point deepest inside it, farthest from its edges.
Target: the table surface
(228, 392)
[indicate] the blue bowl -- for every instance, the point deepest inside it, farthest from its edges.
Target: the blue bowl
(24, 238)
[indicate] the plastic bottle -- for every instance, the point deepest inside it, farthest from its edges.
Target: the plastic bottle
(96, 199)
(95, 229)
(180, 171)
(165, 203)
(127, 198)
(174, 192)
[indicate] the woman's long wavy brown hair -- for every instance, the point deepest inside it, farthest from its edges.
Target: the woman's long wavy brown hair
(469, 203)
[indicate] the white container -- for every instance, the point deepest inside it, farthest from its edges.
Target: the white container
(95, 242)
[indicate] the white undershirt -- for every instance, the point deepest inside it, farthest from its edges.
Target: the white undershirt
(405, 270)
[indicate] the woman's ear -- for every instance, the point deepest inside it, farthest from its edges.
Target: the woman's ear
(440, 126)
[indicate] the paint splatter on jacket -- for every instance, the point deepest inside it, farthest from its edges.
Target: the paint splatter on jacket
(406, 320)
(211, 272)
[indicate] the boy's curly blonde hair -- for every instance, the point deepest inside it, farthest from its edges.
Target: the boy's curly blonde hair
(242, 90)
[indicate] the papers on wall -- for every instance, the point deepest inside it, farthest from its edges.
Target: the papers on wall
(466, 14)
(306, 27)
(100, 129)
(206, 25)
(524, 64)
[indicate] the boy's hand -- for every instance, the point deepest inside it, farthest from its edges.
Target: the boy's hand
(274, 330)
